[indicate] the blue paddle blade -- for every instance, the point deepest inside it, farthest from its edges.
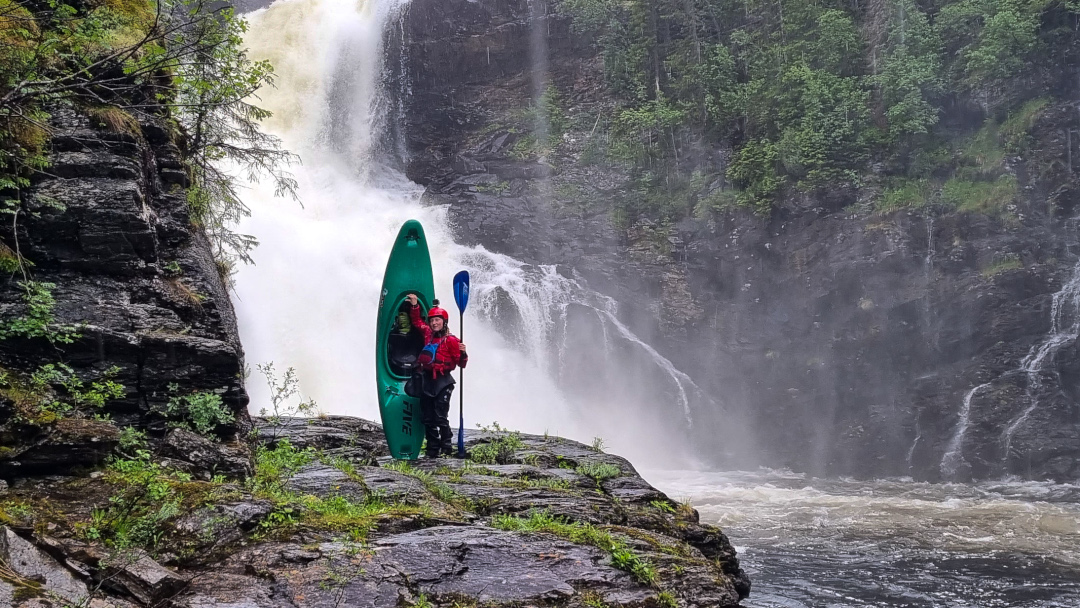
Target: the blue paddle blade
(461, 289)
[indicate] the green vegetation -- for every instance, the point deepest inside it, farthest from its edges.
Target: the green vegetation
(500, 450)
(149, 496)
(662, 505)
(38, 320)
(904, 193)
(54, 391)
(122, 62)
(582, 533)
(439, 489)
(814, 94)
(666, 599)
(1009, 261)
(283, 394)
(989, 197)
(274, 466)
(542, 483)
(202, 412)
(598, 471)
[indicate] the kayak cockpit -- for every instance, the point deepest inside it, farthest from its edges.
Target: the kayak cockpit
(403, 344)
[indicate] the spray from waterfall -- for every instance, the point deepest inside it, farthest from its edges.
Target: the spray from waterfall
(310, 300)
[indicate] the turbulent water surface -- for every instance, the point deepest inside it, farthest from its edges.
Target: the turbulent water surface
(835, 543)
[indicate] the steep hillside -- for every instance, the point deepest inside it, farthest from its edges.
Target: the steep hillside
(838, 219)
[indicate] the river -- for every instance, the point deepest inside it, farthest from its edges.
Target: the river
(832, 543)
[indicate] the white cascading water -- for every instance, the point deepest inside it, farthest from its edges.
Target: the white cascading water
(1064, 330)
(954, 451)
(310, 300)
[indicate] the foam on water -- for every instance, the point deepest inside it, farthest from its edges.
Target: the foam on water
(893, 542)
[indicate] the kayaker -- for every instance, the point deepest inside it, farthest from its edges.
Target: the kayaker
(438, 383)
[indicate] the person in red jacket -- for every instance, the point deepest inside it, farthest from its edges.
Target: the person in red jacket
(438, 383)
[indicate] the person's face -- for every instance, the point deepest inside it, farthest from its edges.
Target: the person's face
(437, 323)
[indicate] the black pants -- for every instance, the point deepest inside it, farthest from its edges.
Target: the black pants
(434, 412)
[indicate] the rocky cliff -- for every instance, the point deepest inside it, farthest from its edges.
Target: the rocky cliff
(835, 334)
(116, 285)
(328, 520)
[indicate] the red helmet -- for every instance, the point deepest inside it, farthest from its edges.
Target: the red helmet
(438, 312)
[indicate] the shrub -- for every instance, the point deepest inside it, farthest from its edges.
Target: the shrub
(39, 320)
(201, 412)
(500, 450)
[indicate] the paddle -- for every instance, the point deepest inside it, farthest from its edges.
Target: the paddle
(461, 296)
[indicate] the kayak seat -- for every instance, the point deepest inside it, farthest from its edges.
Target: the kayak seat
(404, 348)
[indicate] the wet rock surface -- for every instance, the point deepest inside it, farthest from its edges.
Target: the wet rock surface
(446, 531)
(206, 457)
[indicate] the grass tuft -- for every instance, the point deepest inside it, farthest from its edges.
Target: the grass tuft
(115, 119)
(622, 557)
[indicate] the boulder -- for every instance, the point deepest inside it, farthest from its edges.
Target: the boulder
(325, 481)
(207, 457)
(34, 572)
(353, 438)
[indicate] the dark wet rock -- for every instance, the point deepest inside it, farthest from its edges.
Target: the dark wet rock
(131, 273)
(325, 481)
(443, 562)
(67, 444)
(432, 530)
(34, 570)
(495, 566)
(208, 458)
(356, 439)
(210, 530)
(130, 572)
(143, 578)
(392, 485)
(631, 489)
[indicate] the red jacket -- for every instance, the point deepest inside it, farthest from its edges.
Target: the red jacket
(449, 355)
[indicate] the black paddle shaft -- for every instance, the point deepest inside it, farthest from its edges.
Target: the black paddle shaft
(461, 389)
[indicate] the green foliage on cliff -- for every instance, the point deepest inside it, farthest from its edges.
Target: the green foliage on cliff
(54, 390)
(125, 61)
(201, 412)
(810, 94)
(37, 319)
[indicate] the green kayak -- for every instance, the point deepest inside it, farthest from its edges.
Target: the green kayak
(397, 344)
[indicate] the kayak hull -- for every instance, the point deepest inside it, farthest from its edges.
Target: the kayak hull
(407, 271)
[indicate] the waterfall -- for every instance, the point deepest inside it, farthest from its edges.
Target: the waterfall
(310, 300)
(954, 452)
(1064, 330)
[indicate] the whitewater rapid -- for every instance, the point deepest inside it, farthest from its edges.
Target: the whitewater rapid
(840, 543)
